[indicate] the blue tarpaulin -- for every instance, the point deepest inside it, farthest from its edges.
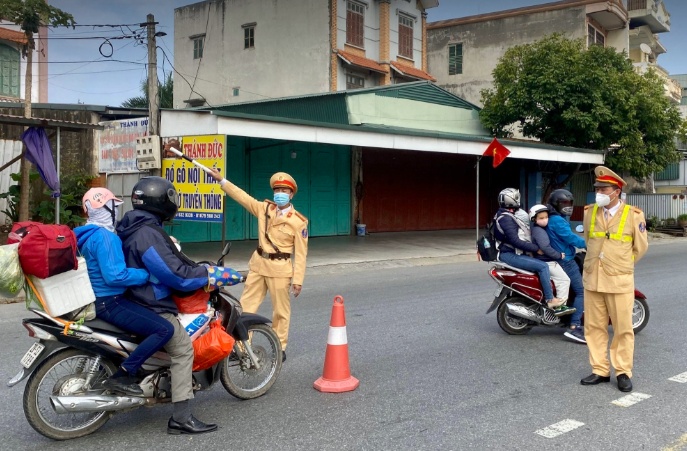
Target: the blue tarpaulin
(39, 153)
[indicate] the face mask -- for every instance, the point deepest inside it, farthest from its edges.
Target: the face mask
(281, 199)
(602, 199)
(543, 222)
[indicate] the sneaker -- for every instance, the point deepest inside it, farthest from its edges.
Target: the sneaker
(575, 334)
(564, 310)
(555, 302)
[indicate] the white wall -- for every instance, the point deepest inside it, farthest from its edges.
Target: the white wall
(291, 54)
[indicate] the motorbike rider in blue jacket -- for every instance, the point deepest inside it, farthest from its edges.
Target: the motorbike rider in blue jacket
(147, 246)
(110, 277)
(564, 240)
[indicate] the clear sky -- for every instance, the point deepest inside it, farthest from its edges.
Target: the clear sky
(79, 73)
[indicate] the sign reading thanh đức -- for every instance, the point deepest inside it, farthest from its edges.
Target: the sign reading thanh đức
(200, 196)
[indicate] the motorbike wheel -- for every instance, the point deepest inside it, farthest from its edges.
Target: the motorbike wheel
(640, 315)
(243, 380)
(510, 324)
(63, 374)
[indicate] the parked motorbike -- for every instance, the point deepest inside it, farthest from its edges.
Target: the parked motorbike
(519, 301)
(63, 398)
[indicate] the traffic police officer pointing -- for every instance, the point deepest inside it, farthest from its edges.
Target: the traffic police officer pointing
(616, 239)
(279, 261)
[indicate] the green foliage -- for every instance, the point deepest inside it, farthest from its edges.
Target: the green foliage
(166, 91)
(557, 91)
(12, 196)
(30, 14)
(72, 187)
(682, 217)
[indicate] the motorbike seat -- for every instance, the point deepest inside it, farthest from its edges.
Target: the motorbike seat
(103, 325)
(506, 266)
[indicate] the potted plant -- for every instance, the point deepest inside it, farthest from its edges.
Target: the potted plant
(670, 221)
(682, 220)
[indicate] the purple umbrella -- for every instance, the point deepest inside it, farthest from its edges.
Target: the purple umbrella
(39, 153)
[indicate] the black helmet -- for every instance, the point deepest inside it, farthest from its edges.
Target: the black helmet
(562, 201)
(156, 195)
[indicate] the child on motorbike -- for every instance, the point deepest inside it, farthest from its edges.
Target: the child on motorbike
(110, 278)
(539, 215)
(513, 236)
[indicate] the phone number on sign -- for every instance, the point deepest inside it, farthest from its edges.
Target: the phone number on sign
(208, 216)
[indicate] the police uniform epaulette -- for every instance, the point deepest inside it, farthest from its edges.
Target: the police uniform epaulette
(303, 218)
(586, 207)
(271, 204)
(637, 209)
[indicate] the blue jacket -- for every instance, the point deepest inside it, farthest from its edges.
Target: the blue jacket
(563, 239)
(107, 271)
(146, 248)
(541, 238)
(509, 239)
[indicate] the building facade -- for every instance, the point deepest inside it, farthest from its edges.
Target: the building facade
(233, 51)
(13, 66)
(463, 52)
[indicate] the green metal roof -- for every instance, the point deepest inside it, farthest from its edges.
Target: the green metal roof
(331, 107)
(384, 129)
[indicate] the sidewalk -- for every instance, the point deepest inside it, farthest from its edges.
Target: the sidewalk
(391, 248)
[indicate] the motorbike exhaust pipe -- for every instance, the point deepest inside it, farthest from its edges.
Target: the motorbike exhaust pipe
(96, 403)
(523, 312)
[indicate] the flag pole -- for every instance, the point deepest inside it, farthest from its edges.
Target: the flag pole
(477, 201)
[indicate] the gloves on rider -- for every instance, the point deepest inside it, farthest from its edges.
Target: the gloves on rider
(219, 276)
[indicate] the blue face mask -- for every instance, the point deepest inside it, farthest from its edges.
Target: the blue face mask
(281, 199)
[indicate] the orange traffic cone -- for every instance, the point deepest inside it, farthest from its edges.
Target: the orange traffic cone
(336, 377)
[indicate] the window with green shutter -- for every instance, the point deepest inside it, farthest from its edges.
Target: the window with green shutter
(9, 71)
(671, 172)
(455, 59)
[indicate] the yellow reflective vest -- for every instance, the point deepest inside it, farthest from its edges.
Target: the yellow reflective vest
(613, 248)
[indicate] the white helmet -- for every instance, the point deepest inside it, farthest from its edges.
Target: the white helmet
(534, 211)
(509, 198)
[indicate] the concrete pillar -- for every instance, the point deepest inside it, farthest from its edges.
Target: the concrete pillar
(384, 42)
(333, 59)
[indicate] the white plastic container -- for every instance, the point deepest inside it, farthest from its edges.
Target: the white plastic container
(195, 323)
(65, 292)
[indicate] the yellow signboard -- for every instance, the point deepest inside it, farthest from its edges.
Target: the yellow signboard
(200, 196)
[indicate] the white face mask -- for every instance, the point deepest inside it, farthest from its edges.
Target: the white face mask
(602, 199)
(543, 222)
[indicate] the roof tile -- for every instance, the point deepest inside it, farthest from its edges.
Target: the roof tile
(361, 62)
(14, 36)
(412, 71)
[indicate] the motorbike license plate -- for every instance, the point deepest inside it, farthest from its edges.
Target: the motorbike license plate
(31, 355)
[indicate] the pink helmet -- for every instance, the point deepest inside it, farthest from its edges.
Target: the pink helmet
(98, 197)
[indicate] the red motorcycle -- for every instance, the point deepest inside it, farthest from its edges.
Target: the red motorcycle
(519, 301)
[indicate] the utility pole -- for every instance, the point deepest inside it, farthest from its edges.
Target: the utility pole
(153, 96)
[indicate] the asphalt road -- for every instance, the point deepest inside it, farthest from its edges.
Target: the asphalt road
(435, 373)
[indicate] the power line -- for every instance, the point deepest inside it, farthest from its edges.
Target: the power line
(164, 55)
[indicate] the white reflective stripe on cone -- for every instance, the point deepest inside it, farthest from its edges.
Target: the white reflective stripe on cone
(337, 336)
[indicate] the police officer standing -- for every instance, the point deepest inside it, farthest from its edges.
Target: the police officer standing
(616, 239)
(279, 261)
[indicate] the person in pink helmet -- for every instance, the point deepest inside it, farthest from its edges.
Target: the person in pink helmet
(110, 278)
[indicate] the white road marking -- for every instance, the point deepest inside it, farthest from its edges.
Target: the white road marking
(630, 400)
(681, 378)
(559, 428)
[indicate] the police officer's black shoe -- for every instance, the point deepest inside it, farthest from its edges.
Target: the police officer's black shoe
(624, 383)
(283, 356)
(192, 426)
(125, 384)
(594, 379)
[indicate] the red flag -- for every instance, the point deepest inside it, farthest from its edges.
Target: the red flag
(496, 150)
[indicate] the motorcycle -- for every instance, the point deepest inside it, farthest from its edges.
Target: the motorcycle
(63, 398)
(519, 301)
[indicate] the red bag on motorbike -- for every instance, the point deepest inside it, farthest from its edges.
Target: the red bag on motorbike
(196, 302)
(44, 249)
(212, 347)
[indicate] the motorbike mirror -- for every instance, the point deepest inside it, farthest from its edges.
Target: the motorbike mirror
(579, 228)
(226, 249)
